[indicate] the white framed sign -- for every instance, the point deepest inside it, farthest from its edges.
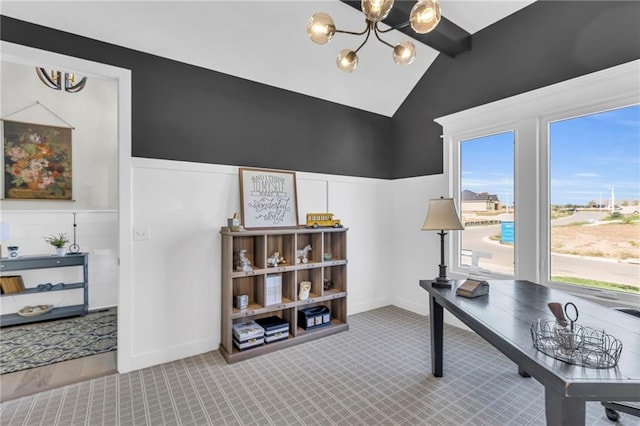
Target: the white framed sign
(268, 198)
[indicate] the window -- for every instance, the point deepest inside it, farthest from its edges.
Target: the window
(576, 151)
(594, 169)
(486, 197)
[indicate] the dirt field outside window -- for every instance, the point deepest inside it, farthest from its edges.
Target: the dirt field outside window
(614, 241)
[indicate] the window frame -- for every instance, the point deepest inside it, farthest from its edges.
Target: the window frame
(529, 115)
(456, 185)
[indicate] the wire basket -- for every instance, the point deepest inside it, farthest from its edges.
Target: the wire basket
(578, 345)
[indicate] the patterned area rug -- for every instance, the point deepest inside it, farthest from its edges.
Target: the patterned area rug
(35, 345)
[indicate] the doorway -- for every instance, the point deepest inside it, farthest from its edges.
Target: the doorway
(18, 54)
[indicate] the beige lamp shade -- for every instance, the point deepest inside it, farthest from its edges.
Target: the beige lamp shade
(442, 215)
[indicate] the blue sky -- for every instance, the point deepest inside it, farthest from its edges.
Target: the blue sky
(588, 155)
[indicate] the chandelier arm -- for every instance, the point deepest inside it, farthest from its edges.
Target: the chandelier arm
(75, 87)
(365, 39)
(353, 32)
(375, 30)
(395, 27)
(44, 77)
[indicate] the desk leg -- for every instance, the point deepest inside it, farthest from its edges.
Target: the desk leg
(436, 323)
(563, 411)
(523, 373)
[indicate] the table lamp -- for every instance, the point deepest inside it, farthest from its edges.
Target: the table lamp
(442, 215)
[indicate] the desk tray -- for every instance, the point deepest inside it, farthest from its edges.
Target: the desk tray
(584, 346)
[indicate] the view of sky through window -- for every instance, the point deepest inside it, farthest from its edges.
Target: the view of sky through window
(594, 156)
(489, 166)
(594, 200)
(590, 156)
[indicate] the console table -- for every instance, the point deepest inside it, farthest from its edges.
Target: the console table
(46, 262)
(503, 318)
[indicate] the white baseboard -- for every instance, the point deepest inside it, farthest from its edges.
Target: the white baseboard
(356, 308)
(423, 309)
(412, 306)
(169, 354)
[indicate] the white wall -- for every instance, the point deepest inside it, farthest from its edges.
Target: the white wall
(176, 273)
(97, 234)
(417, 252)
(93, 113)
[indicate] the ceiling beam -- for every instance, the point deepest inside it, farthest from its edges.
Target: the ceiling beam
(446, 37)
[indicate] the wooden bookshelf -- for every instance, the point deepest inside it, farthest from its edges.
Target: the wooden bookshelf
(259, 246)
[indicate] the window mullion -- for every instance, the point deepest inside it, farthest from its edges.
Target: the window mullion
(527, 200)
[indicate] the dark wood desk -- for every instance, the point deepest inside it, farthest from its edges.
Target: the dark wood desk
(503, 318)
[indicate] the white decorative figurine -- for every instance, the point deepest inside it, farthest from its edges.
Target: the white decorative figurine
(305, 289)
(275, 259)
(244, 264)
(302, 256)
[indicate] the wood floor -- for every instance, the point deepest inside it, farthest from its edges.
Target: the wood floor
(34, 380)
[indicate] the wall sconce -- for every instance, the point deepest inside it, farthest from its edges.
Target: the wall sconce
(442, 215)
(54, 81)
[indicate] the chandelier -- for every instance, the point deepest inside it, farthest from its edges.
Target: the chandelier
(54, 80)
(424, 17)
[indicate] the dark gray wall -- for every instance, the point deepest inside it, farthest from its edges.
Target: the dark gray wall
(544, 43)
(187, 113)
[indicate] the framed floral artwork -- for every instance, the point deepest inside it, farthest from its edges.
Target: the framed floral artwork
(268, 198)
(37, 161)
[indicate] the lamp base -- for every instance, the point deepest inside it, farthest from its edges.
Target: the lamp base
(441, 282)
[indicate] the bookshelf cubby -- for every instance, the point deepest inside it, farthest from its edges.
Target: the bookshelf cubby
(318, 268)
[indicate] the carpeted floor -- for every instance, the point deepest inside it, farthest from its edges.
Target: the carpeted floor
(377, 373)
(38, 344)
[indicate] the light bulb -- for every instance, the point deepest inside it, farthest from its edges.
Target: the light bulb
(347, 60)
(376, 10)
(425, 15)
(404, 53)
(321, 28)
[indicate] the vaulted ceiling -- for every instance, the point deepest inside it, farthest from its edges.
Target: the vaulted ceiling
(263, 41)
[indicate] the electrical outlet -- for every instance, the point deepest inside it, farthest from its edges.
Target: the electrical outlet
(141, 234)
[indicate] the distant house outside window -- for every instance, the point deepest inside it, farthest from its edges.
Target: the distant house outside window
(486, 182)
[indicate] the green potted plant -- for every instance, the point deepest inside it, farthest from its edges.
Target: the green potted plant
(58, 241)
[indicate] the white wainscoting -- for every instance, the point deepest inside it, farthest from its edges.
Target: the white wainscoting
(176, 272)
(97, 234)
(416, 252)
(175, 282)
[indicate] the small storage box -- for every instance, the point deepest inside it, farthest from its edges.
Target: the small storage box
(314, 317)
(275, 328)
(241, 302)
(258, 341)
(244, 331)
(247, 335)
